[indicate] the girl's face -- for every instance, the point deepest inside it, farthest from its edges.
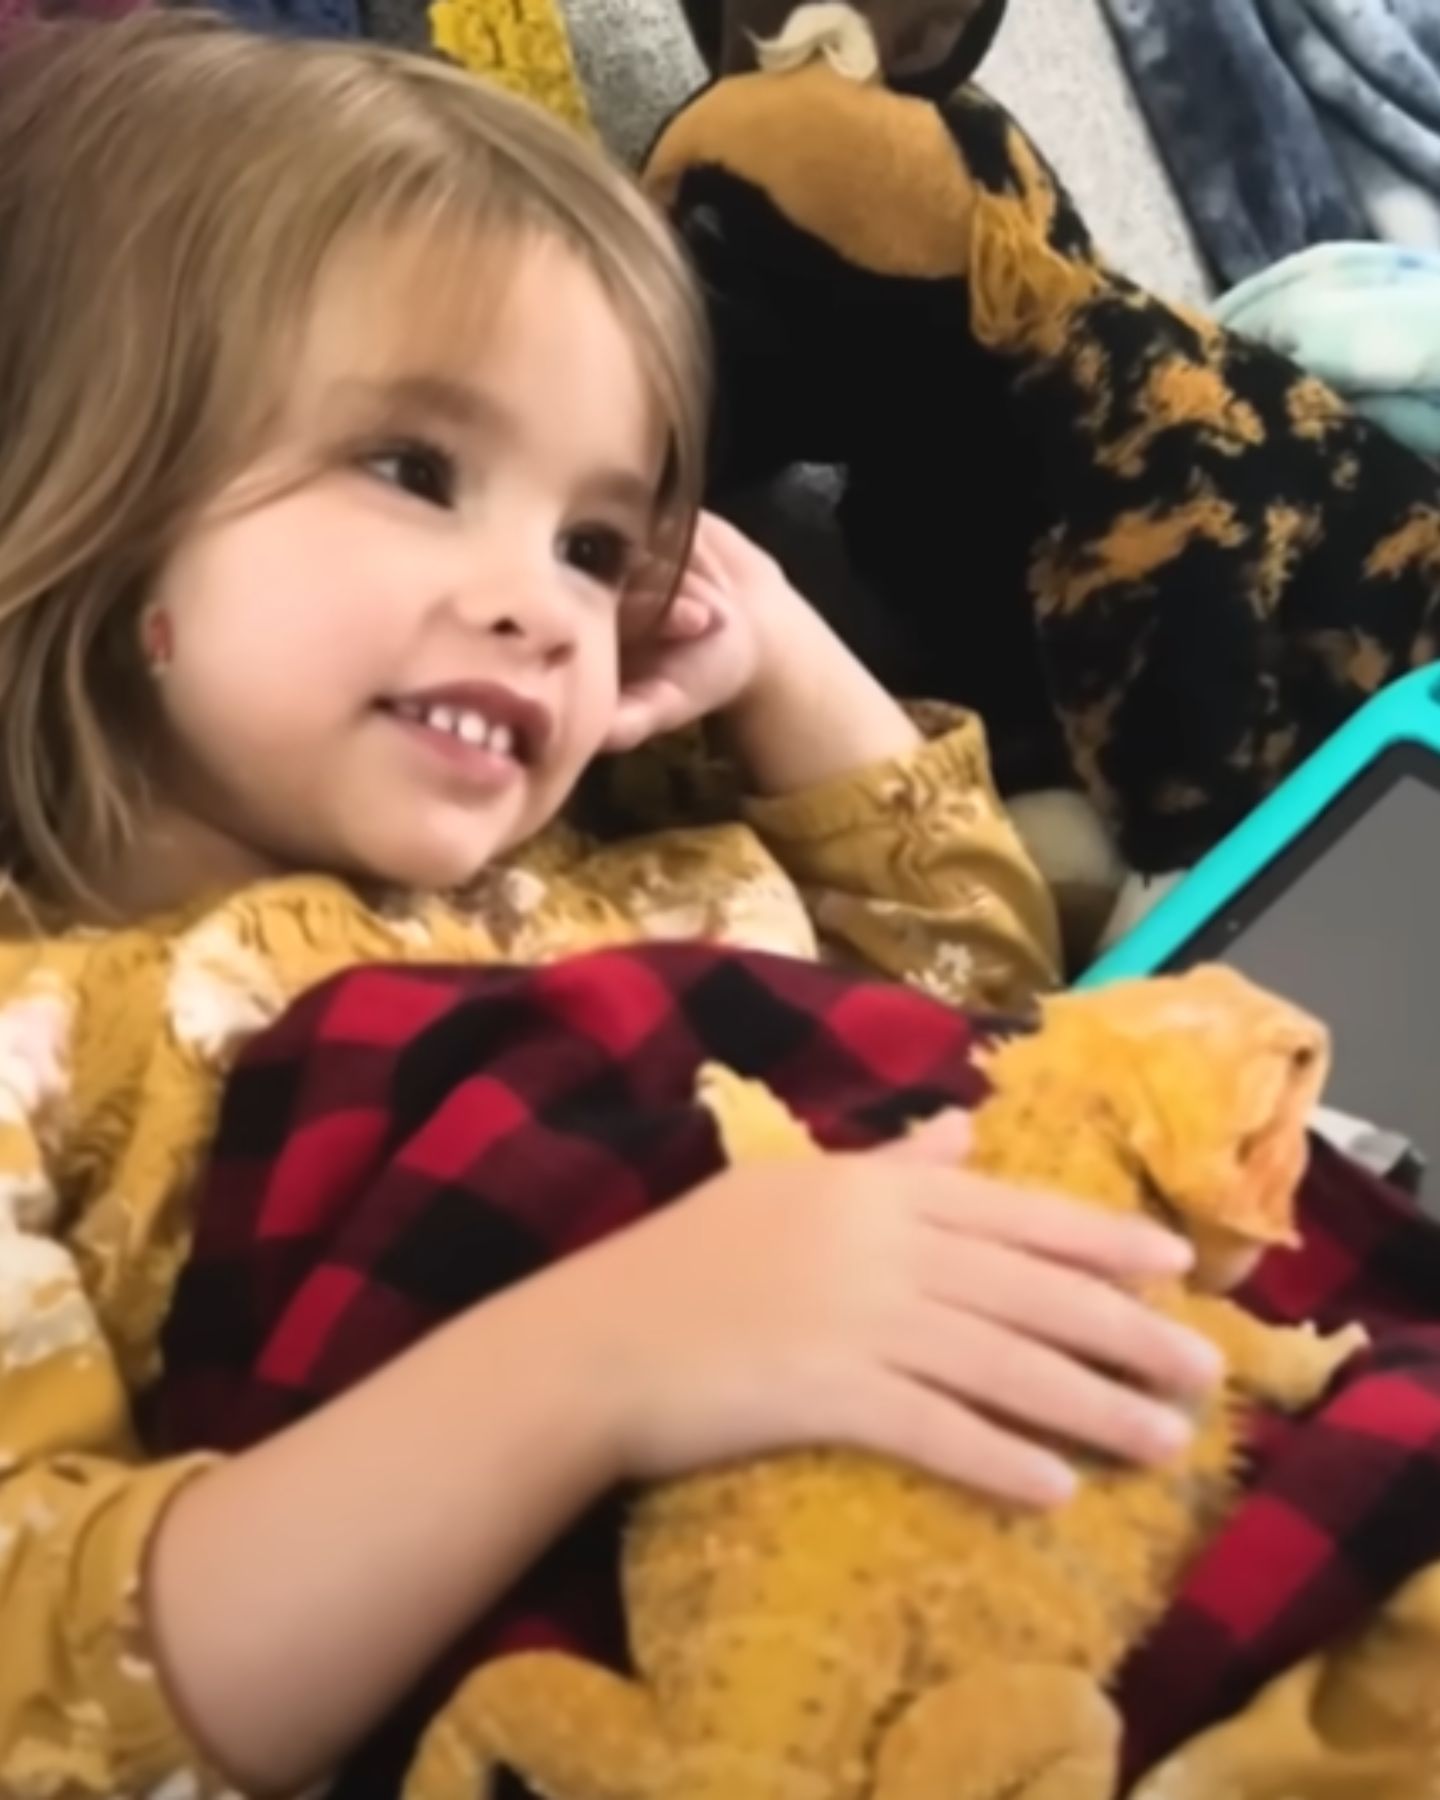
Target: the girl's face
(398, 665)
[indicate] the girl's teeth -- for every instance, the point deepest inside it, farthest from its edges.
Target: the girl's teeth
(455, 721)
(470, 727)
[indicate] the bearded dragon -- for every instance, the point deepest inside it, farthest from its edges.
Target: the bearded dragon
(828, 1625)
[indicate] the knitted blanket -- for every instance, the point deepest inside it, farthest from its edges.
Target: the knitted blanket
(406, 1143)
(1287, 123)
(522, 44)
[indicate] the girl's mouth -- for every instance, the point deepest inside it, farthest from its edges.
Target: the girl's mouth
(487, 731)
(467, 724)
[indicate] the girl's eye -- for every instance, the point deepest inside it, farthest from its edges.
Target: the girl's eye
(605, 555)
(418, 469)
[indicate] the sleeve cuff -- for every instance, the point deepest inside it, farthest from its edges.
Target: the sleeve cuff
(954, 760)
(139, 1735)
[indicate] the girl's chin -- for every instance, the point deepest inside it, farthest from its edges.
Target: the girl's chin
(436, 867)
(429, 842)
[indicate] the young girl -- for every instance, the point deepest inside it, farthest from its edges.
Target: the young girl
(350, 423)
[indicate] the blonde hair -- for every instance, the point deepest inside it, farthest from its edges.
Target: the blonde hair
(172, 191)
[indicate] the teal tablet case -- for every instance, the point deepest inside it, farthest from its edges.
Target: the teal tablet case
(1406, 712)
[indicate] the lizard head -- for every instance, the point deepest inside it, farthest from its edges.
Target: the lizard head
(1207, 1083)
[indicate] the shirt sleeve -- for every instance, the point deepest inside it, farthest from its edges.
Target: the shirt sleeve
(912, 869)
(82, 1709)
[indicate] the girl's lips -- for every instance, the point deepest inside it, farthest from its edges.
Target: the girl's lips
(479, 713)
(478, 765)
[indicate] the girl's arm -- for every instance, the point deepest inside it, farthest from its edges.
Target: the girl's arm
(295, 1593)
(813, 712)
(902, 848)
(905, 856)
(245, 1623)
(206, 1624)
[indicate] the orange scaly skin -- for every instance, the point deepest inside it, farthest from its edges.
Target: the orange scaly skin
(830, 1626)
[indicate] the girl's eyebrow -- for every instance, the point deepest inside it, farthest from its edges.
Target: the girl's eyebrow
(624, 489)
(434, 396)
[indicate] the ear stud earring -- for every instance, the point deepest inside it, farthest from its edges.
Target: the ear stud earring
(157, 636)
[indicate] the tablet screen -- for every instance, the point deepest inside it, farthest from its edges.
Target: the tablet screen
(1346, 922)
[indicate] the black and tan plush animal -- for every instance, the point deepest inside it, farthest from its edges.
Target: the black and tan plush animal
(1162, 562)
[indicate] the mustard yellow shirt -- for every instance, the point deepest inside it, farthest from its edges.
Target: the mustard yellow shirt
(113, 1051)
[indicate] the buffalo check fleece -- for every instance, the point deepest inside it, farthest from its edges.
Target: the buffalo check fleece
(404, 1144)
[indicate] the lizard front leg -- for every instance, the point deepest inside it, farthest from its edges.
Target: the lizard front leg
(1286, 1366)
(571, 1730)
(1004, 1732)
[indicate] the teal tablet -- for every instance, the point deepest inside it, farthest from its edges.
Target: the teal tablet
(1329, 893)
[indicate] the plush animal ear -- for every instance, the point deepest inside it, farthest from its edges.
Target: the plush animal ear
(726, 31)
(706, 19)
(932, 49)
(927, 47)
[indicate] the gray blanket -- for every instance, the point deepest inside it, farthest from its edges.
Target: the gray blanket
(1287, 123)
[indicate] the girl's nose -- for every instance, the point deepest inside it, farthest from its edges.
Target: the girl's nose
(523, 603)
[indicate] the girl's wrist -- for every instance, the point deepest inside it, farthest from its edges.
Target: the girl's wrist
(558, 1330)
(813, 711)
(794, 651)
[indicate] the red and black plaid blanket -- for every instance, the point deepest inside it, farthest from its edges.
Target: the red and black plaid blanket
(405, 1143)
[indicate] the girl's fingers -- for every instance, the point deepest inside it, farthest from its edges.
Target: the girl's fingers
(1030, 1385)
(1068, 1231)
(725, 544)
(645, 709)
(893, 1415)
(723, 553)
(704, 568)
(689, 617)
(1069, 1310)
(628, 729)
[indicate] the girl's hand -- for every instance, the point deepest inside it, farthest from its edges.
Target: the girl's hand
(890, 1302)
(739, 640)
(706, 649)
